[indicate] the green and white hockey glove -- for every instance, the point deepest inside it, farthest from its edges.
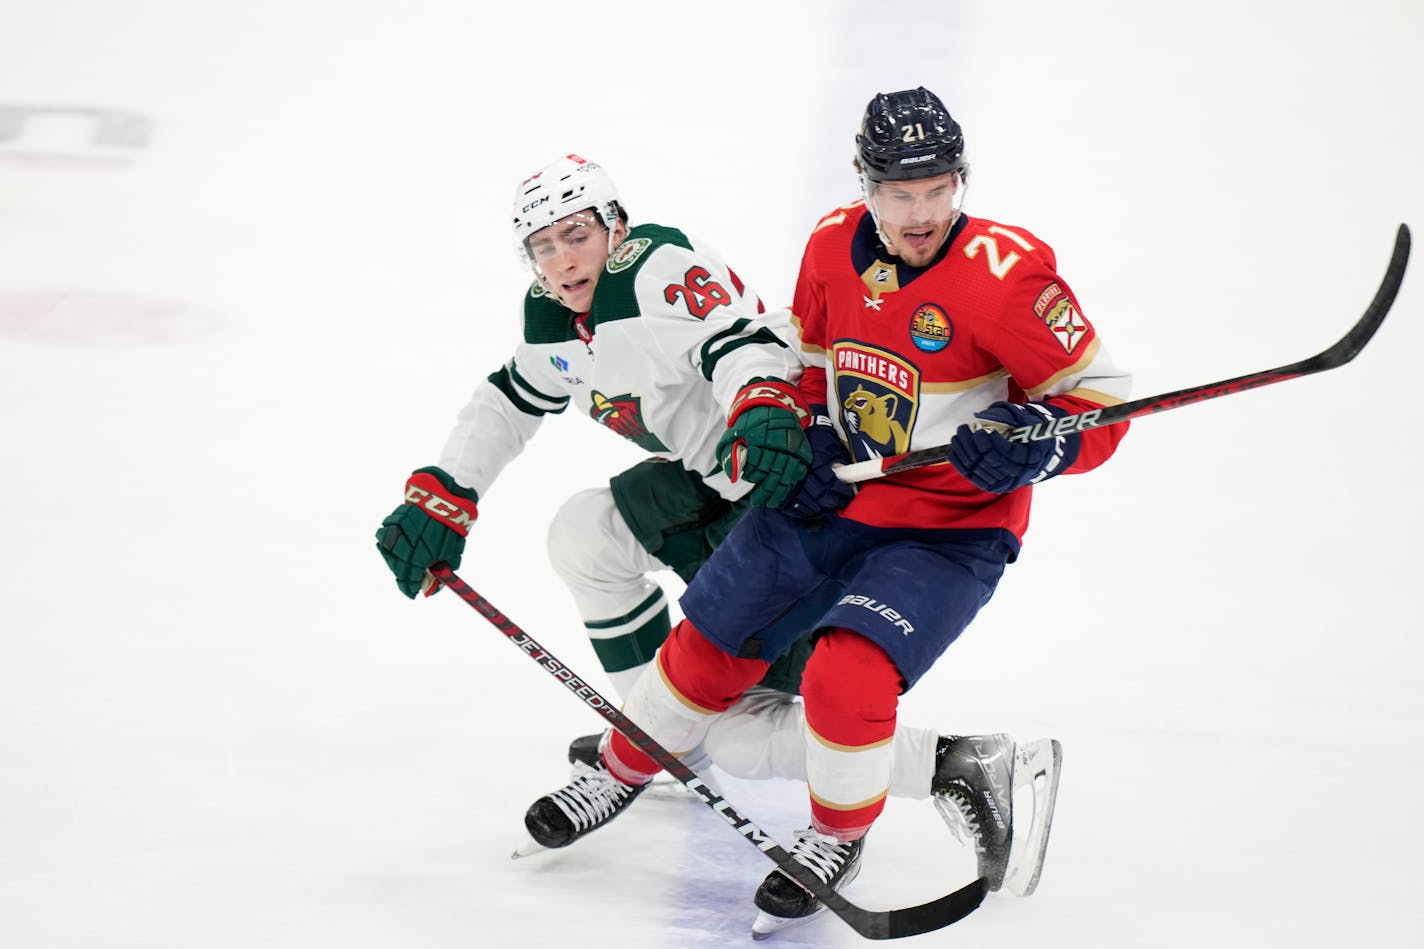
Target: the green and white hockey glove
(429, 528)
(765, 441)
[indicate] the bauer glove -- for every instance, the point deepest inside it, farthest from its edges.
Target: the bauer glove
(993, 463)
(765, 441)
(429, 528)
(821, 492)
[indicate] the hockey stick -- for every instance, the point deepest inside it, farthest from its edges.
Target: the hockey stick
(1346, 349)
(872, 924)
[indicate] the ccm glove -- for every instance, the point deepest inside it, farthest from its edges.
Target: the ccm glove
(765, 440)
(429, 528)
(993, 463)
(821, 491)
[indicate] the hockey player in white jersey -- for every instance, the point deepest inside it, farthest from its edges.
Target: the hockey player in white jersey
(649, 332)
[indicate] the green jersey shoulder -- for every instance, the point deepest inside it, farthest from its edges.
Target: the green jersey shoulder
(616, 297)
(546, 320)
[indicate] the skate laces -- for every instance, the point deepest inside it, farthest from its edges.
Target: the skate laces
(591, 797)
(953, 804)
(822, 855)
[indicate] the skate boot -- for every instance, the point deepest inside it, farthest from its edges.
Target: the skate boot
(972, 789)
(593, 798)
(585, 749)
(783, 902)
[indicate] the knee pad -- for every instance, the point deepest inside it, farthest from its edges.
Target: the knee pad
(851, 689)
(701, 673)
(580, 534)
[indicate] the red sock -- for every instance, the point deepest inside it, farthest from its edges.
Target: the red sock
(698, 674)
(851, 690)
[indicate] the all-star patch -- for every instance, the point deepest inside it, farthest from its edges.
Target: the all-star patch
(930, 328)
(627, 254)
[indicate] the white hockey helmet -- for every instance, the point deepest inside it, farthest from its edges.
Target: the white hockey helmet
(557, 190)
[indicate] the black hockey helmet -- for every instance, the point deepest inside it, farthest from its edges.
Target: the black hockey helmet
(908, 135)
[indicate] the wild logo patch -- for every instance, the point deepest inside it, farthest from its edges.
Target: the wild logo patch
(627, 254)
(878, 394)
(930, 328)
(624, 415)
(1055, 308)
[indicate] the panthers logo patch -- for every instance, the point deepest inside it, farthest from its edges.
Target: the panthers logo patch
(878, 394)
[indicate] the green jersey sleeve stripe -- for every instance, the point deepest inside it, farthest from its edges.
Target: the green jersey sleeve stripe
(552, 403)
(732, 339)
(501, 380)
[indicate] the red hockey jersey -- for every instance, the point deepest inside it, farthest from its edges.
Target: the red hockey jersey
(903, 356)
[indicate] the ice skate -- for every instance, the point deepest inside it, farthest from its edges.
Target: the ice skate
(999, 796)
(782, 902)
(593, 798)
(1035, 786)
(972, 789)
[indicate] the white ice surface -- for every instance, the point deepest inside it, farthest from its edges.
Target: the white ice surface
(221, 726)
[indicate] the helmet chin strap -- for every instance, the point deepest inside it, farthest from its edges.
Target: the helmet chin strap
(609, 215)
(867, 188)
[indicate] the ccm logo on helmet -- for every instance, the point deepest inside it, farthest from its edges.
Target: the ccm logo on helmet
(531, 206)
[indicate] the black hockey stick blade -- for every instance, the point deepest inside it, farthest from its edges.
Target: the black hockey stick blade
(872, 924)
(1344, 350)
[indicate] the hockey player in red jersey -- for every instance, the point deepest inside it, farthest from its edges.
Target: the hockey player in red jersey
(679, 340)
(918, 324)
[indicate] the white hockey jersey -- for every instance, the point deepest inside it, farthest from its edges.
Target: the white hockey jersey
(671, 336)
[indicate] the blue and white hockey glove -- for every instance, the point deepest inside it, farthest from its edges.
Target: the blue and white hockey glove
(821, 492)
(993, 463)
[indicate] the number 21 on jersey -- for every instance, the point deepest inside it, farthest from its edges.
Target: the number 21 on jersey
(999, 265)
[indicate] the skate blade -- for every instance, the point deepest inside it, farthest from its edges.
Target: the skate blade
(766, 925)
(1035, 775)
(527, 848)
